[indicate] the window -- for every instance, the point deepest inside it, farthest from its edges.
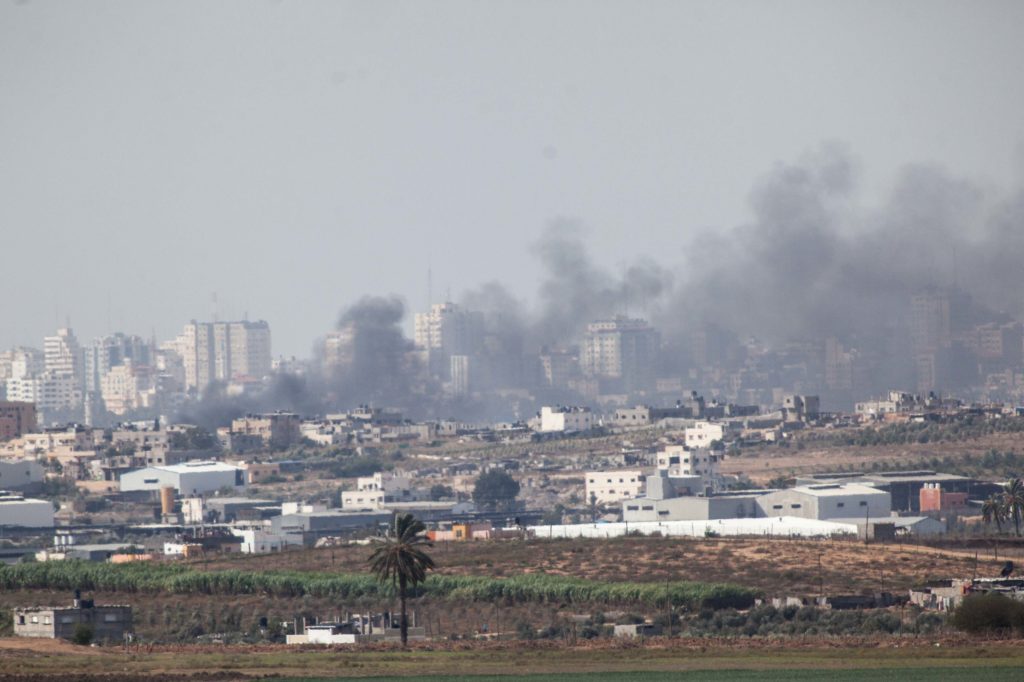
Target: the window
(66, 619)
(648, 507)
(795, 506)
(35, 619)
(863, 503)
(776, 506)
(110, 618)
(840, 504)
(632, 508)
(21, 620)
(46, 620)
(663, 513)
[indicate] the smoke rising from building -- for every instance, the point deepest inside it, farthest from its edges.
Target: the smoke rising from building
(813, 263)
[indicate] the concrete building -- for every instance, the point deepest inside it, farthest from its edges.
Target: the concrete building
(377, 491)
(17, 510)
(447, 330)
(108, 352)
(191, 478)
(680, 461)
(51, 392)
(278, 430)
(316, 524)
(703, 433)
(258, 541)
(128, 387)
(16, 419)
(107, 623)
(20, 474)
(620, 352)
(611, 487)
(739, 505)
(224, 351)
(565, 419)
(62, 356)
(905, 487)
(826, 501)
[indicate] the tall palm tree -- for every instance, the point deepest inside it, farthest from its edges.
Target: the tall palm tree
(992, 509)
(401, 560)
(1013, 501)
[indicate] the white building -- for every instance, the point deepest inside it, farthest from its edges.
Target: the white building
(375, 492)
(63, 356)
(20, 473)
(827, 501)
(679, 461)
(256, 541)
(611, 487)
(703, 434)
(565, 419)
(17, 510)
(190, 478)
(49, 391)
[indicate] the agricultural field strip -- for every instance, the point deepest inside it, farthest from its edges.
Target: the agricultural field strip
(534, 587)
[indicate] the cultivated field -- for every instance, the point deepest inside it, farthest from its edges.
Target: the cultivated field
(661, 659)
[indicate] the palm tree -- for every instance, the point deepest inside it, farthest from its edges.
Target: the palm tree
(401, 559)
(992, 510)
(1013, 501)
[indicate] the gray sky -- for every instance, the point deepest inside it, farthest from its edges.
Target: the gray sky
(292, 156)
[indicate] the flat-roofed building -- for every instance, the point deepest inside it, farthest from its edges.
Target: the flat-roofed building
(826, 501)
(190, 478)
(611, 487)
(16, 419)
(107, 623)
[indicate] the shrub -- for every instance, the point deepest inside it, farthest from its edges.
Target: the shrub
(83, 634)
(988, 612)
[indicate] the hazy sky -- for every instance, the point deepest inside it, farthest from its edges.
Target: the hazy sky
(292, 156)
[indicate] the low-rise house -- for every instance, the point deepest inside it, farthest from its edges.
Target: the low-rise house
(565, 419)
(106, 623)
(611, 487)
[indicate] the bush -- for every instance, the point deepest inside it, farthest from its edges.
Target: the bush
(83, 634)
(987, 613)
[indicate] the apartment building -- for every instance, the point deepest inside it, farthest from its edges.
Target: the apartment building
(621, 352)
(611, 487)
(16, 419)
(223, 351)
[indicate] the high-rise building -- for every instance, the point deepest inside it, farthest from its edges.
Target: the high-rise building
(621, 352)
(448, 330)
(222, 351)
(128, 387)
(63, 356)
(111, 351)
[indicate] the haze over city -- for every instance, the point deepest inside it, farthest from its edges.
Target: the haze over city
(288, 160)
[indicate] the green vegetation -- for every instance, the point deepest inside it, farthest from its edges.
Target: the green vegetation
(977, 674)
(495, 489)
(83, 634)
(968, 428)
(528, 588)
(987, 613)
(402, 561)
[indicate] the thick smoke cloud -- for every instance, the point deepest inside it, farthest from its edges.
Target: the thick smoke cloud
(376, 364)
(575, 291)
(812, 263)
